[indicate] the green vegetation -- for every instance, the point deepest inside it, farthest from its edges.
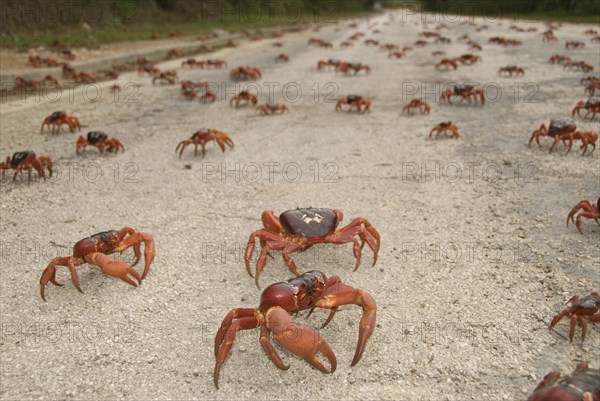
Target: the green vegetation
(557, 10)
(28, 23)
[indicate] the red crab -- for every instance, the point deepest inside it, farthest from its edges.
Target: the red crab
(586, 137)
(271, 108)
(27, 160)
(111, 75)
(38, 60)
(355, 102)
(446, 63)
(169, 77)
(474, 46)
(85, 77)
(67, 54)
(244, 73)
(574, 45)
(148, 69)
(443, 128)
(297, 230)
(578, 66)
(590, 211)
(469, 59)
(558, 59)
(94, 250)
(58, 119)
(244, 96)
(190, 62)
(468, 92)
(581, 385)
(510, 70)
(190, 85)
(311, 290)
(389, 47)
(212, 63)
(592, 105)
(417, 104)
(202, 137)
(322, 64)
(101, 141)
(555, 128)
(176, 53)
(209, 96)
(593, 86)
(549, 36)
(24, 82)
(581, 310)
(347, 68)
(282, 58)
(396, 54)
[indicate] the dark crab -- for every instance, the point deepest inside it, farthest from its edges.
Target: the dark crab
(582, 310)
(556, 128)
(297, 230)
(311, 290)
(581, 385)
(94, 250)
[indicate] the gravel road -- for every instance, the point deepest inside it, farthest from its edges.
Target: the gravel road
(475, 257)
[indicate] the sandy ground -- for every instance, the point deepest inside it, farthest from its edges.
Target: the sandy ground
(475, 257)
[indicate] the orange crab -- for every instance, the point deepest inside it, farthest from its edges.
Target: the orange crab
(202, 137)
(422, 105)
(509, 70)
(94, 250)
(271, 108)
(592, 105)
(58, 119)
(243, 96)
(311, 290)
(101, 141)
(357, 102)
(589, 211)
(299, 229)
(446, 63)
(444, 128)
(581, 311)
(28, 161)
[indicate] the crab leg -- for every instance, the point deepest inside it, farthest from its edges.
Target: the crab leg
(588, 211)
(342, 294)
(113, 268)
(264, 236)
(594, 318)
(262, 260)
(135, 240)
(183, 145)
(302, 341)
(225, 337)
(49, 273)
(355, 227)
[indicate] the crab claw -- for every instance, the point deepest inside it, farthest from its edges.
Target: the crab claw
(113, 268)
(302, 341)
(49, 274)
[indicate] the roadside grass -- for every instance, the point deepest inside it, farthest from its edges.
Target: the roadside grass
(91, 37)
(524, 18)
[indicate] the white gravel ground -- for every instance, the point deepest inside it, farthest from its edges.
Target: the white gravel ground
(475, 257)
